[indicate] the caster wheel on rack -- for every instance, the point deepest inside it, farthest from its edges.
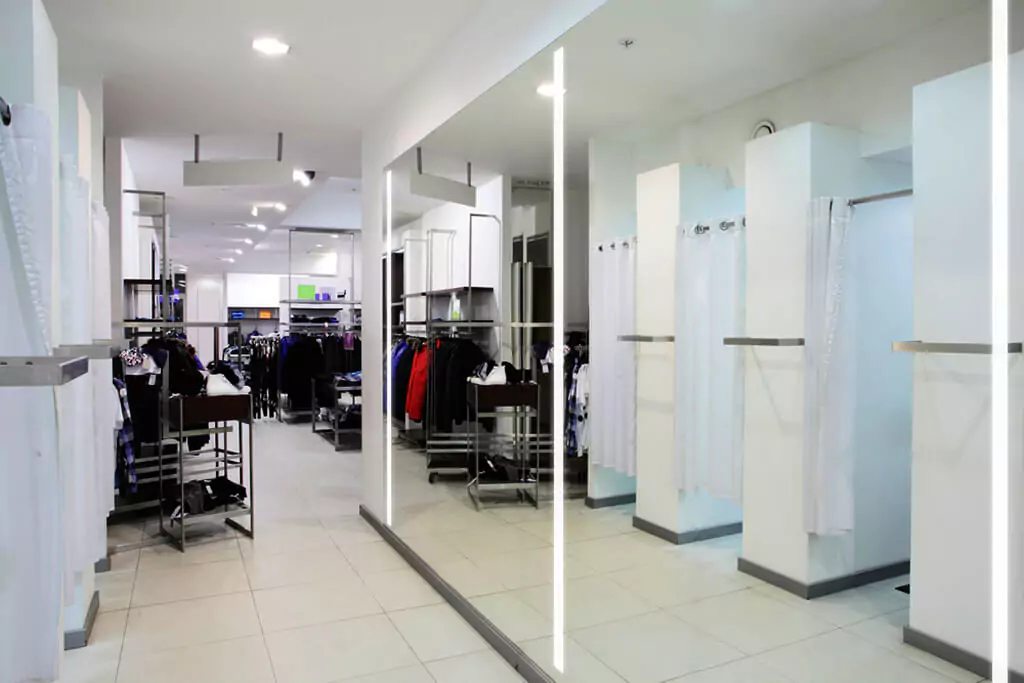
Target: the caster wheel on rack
(432, 477)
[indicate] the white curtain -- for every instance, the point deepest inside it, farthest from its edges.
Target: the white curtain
(30, 511)
(829, 372)
(710, 296)
(613, 363)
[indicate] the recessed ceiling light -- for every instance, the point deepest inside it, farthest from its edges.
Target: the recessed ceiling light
(272, 47)
(226, 259)
(301, 177)
(248, 241)
(255, 211)
(547, 90)
(238, 251)
(258, 226)
(335, 237)
(319, 246)
(281, 207)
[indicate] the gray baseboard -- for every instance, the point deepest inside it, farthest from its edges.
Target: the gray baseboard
(103, 565)
(953, 654)
(610, 501)
(527, 668)
(684, 537)
(822, 588)
(79, 638)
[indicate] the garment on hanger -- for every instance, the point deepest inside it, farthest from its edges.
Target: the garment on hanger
(710, 296)
(417, 392)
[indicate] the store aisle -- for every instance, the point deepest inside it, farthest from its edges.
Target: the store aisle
(317, 597)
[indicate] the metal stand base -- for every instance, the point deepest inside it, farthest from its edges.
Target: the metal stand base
(79, 638)
(102, 566)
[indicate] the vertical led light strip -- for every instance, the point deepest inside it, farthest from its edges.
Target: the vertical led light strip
(389, 387)
(558, 429)
(1000, 340)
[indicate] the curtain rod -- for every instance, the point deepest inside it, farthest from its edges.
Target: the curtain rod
(882, 197)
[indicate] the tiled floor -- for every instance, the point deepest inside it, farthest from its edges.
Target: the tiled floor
(316, 598)
(639, 610)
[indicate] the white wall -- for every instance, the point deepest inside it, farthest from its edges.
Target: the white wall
(206, 302)
(871, 93)
(252, 290)
(950, 573)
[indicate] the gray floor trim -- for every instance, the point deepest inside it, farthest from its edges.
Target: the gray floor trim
(527, 668)
(79, 638)
(953, 654)
(610, 501)
(823, 588)
(102, 566)
(682, 538)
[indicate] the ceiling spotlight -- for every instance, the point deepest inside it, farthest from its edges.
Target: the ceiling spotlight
(248, 241)
(226, 259)
(255, 211)
(281, 208)
(272, 47)
(547, 90)
(319, 246)
(238, 251)
(258, 226)
(335, 237)
(302, 177)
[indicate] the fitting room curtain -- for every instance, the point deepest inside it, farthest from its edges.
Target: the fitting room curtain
(829, 372)
(710, 296)
(613, 363)
(30, 519)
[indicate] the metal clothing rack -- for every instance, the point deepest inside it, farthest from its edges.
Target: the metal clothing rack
(220, 460)
(337, 412)
(522, 403)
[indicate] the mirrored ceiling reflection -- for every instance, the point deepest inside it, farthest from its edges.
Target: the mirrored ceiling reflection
(699, 138)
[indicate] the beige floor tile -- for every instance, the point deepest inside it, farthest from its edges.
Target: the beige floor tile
(97, 662)
(435, 550)
(400, 589)
(338, 651)
(751, 622)
(188, 582)
(497, 541)
(168, 557)
(654, 647)
(474, 668)
(468, 579)
(244, 659)
(115, 590)
(588, 602)
(308, 604)
(887, 631)
(374, 558)
(351, 531)
(124, 562)
(580, 665)
(527, 568)
(190, 622)
(846, 608)
(437, 632)
(675, 584)
(741, 671)
(412, 674)
(305, 566)
(618, 552)
(841, 657)
(276, 538)
(517, 620)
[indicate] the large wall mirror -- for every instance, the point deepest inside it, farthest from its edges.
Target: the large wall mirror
(699, 462)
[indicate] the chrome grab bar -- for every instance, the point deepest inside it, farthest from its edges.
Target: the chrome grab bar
(646, 338)
(763, 341)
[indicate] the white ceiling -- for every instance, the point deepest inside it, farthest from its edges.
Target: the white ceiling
(172, 69)
(689, 59)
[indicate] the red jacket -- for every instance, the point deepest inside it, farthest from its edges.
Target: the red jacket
(417, 396)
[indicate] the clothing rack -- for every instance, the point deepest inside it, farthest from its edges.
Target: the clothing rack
(881, 197)
(338, 412)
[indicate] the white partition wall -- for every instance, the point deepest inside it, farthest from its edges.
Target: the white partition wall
(785, 172)
(952, 504)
